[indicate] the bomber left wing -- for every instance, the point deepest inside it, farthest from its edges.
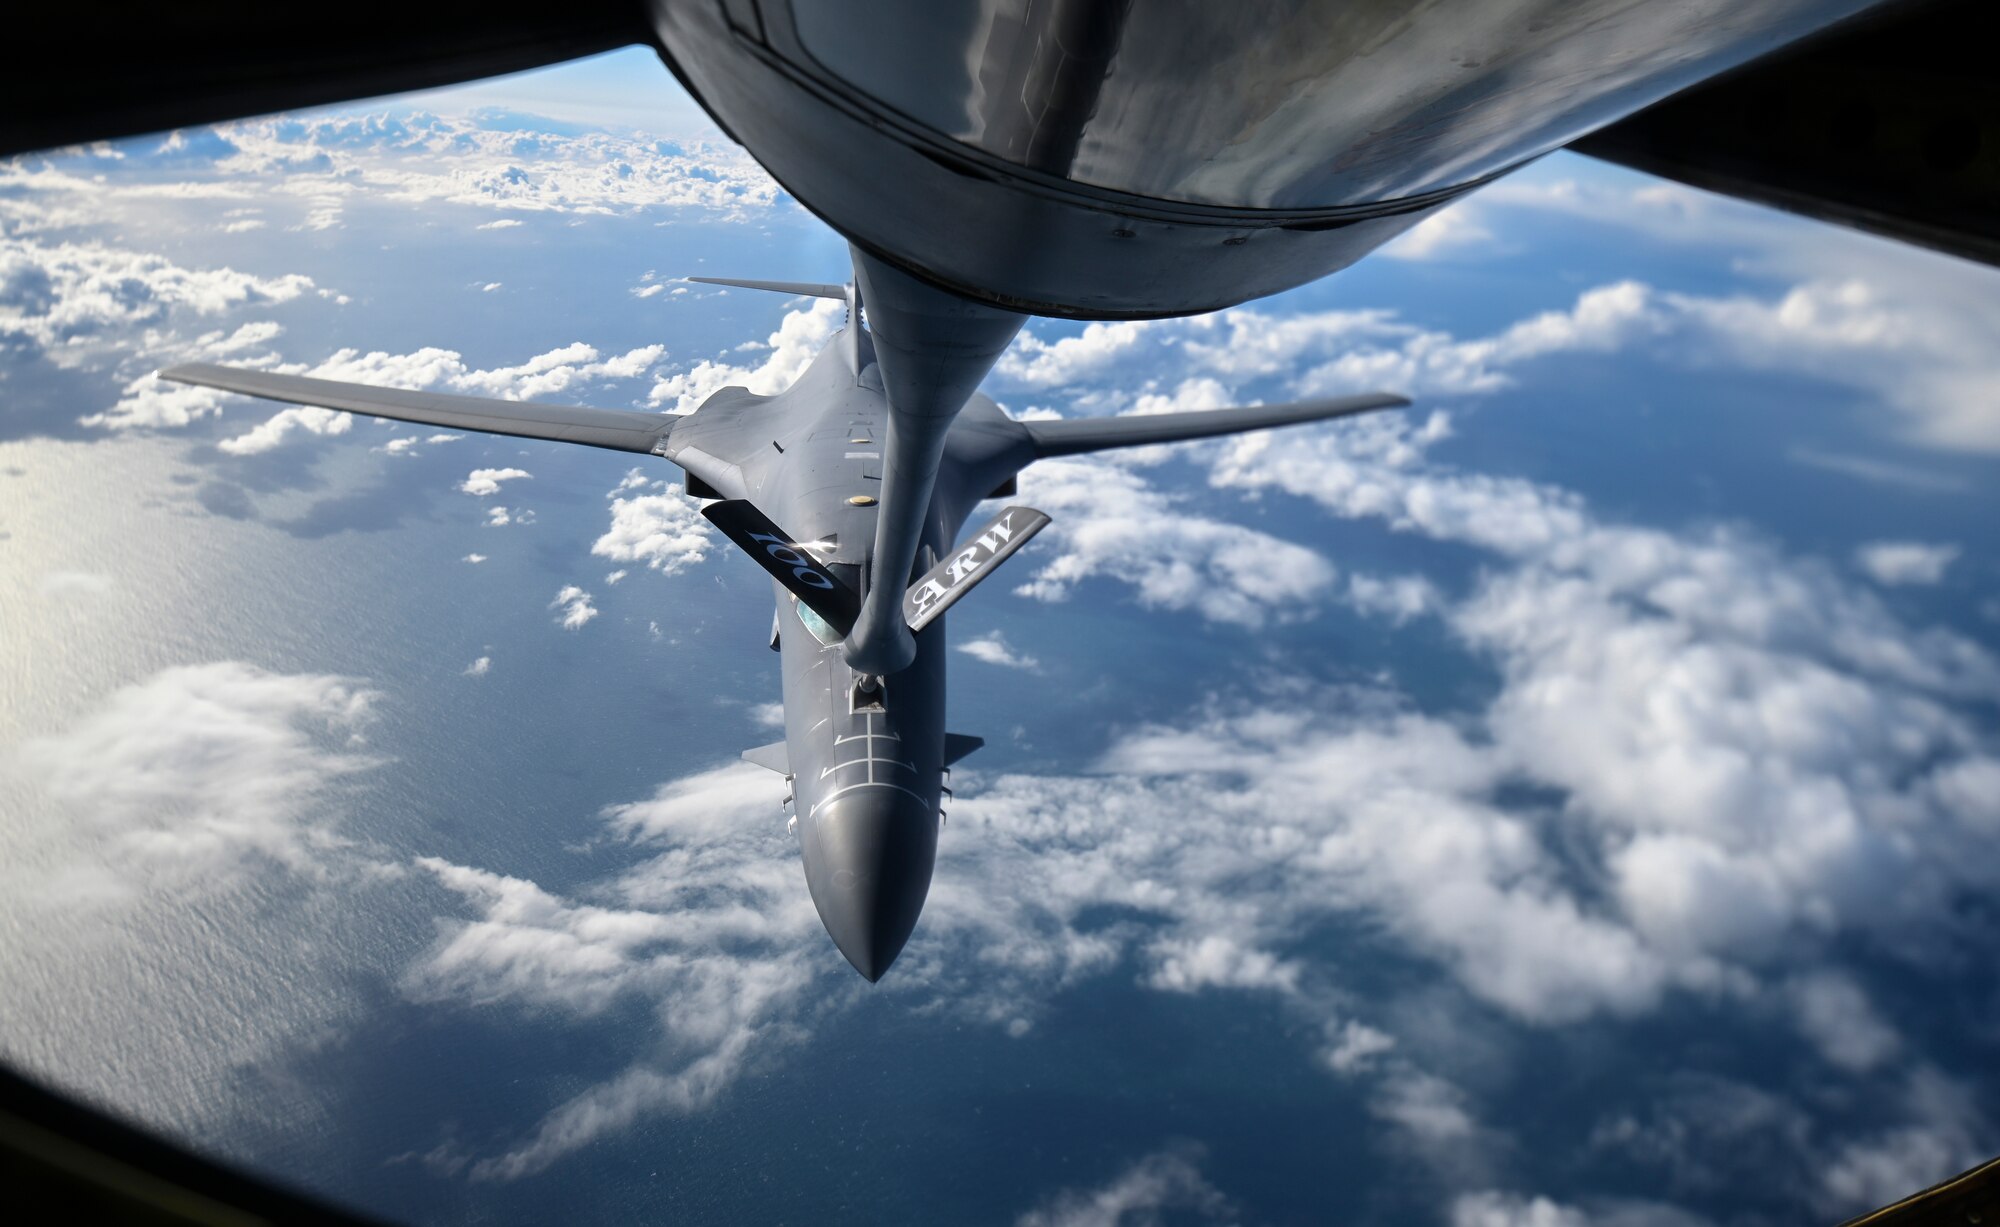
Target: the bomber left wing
(623, 430)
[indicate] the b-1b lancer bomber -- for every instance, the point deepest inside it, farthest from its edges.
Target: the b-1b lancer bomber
(850, 488)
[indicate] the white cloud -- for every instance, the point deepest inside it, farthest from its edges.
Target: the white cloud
(1110, 522)
(712, 935)
(1233, 834)
(1354, 1047)
(489, 287)
(615, 576)
(1911, 330)
(1035, 363)
(1895, 563)
(800, 336)
(475, 558)
(308, 167)
(1189, 396)
(1970, 790)
(202, 772)
(1169, 1180)
(59, 296)
(275, 429)
(1736, 762)
(1457, 227)
(1496, 1209)
(532, 948)
(1332, 813)
(1748, 747)
(1946, 1135)
(550, 373)
(1920, 357)
(153, 403)
(575, 605)
(1215, 961)
(82, 301)
(1836, 1016)
(480, 667)
(709, 806)
(1493, 1208)
(994, 650)
(1398, 598)
(407, 445)
(1746, 739)
(505, 223)
(665, 531)
(769, 715)
(1879, 472)
(487, 481)
(1722, 675)
(1430, 1109)
(1918, 340)
(150, 403)
(1326, 352)
(1427, 362)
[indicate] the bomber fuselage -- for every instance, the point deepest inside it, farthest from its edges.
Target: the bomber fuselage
(866, 755)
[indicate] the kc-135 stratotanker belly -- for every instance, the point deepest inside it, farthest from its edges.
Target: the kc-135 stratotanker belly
(851, 489)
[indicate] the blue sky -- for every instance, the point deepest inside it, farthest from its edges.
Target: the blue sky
(1570, 801)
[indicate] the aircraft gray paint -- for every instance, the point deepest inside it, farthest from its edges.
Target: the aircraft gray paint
(872, 462)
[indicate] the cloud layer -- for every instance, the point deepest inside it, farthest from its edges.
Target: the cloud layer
(204, 772)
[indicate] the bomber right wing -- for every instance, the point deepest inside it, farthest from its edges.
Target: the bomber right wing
(1071, 436)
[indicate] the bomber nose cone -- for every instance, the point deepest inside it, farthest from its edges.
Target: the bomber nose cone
(869, 854)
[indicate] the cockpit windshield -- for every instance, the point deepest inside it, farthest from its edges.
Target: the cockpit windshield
(820, 628)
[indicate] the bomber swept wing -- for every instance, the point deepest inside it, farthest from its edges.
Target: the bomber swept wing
(622, 430)
(1070, 437)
